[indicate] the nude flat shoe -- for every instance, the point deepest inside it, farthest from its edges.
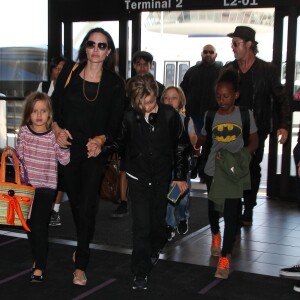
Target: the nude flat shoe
(79, 281)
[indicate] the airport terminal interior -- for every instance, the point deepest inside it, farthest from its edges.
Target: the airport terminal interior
(185, 268)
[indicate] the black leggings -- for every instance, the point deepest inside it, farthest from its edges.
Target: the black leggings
(38, 224)
(82, 177)
(231, 218)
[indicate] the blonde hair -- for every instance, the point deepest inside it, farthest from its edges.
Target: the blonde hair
(139, 87)
(182, 98)
(30, 102)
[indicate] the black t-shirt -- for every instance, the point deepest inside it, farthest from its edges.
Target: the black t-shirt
(246, 90)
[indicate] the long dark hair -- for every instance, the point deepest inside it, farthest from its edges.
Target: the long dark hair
(110, 60)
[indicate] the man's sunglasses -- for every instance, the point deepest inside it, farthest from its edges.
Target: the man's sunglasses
(93, 45)
(236, 44)
(208, 51)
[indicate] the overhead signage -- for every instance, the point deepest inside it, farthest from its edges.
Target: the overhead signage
(169, 5)
(240, 3)
(153, 5)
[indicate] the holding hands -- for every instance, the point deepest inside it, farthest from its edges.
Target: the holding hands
(94, 145)
(63, 136)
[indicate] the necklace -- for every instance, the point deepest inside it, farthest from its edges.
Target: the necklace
(83, 88)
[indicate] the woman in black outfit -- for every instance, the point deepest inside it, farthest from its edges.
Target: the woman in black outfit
(88, 105)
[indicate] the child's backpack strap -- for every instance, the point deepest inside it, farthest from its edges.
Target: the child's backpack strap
(209, 121)
(186, 123)
(210, 115)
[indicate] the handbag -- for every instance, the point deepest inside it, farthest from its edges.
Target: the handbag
(15, 198)
(110, 185)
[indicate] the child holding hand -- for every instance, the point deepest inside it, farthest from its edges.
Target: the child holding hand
(39, 154)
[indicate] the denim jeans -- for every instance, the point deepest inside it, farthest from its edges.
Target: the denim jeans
(180, 211)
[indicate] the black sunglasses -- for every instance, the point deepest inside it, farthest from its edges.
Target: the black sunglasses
(236, 44)
(208, 51)
(92, 45)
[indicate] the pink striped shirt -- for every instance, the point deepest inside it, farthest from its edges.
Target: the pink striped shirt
(40, 153)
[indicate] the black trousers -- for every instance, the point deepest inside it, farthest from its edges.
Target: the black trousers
(148, 204)
(255, 172)
(82, 177)
(231, 219)
(38, 224)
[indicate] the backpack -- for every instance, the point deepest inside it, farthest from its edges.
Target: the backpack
(208, 126)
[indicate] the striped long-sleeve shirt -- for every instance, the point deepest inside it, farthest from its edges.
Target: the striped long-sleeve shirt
(40, 153)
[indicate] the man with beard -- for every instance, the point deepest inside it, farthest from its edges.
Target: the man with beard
(198, 85)
(262, 92)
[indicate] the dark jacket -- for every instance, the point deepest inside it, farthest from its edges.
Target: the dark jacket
(270, 103)
(150, 154)
(198, 85)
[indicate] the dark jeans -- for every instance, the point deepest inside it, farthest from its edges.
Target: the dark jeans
(231, 219)
(38, 224)
(255, 172)
(82, 177)
(148, 204)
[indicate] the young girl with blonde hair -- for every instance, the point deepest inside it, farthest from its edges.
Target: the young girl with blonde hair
(175, 97)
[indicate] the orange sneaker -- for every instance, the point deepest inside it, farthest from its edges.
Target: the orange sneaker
(223, 268)
(215, 249)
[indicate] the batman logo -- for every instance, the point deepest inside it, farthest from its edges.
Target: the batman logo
(226, 132)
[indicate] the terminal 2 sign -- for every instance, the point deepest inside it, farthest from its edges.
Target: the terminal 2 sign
(168, 5)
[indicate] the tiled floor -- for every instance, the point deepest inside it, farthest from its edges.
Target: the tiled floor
(271, 243)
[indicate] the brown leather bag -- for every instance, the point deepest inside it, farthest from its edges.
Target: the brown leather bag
(110, 186)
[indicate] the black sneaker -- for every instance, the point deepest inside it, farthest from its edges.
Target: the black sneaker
(170, 233)
(290, 272)
(297, 287)
(55, 219)
(183, 227)
(139, 283)
(121, 211)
